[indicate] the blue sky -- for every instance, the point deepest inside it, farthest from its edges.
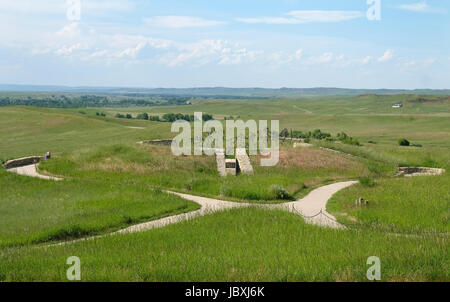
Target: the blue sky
(246, 43)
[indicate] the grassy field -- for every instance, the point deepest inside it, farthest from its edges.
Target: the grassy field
(298, 171)
(421, 203)
(239, 245)
(35, 211)
(111, 182)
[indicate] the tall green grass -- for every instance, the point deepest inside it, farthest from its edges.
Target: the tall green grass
(416, 203)
(34, 210)
(239, 245)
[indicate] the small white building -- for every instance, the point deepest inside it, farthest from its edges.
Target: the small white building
(397, 106)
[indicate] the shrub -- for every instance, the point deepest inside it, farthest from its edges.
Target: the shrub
(343, 137)
(142, 116)
(318, 134)
(128, 116)
(284, 133)
(366, 182)
(279, 192)
(403, 142)
(119, 115)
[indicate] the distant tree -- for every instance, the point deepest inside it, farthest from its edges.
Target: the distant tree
(403, 142)
(169, 117)
(284, 133)
(142, 116)
(129, 116)
(119, 115)
(207, 117)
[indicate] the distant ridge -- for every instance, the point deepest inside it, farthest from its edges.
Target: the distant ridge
(219, 91)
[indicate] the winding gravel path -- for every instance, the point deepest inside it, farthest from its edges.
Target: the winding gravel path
(312, 207)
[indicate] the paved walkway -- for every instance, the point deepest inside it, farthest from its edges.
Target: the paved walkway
(31, 170)
(312, 208)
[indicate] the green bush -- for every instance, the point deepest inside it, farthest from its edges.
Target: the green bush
(366, 182)
(279, 192)
(343, 137)
(284, 133)
(403, 142)
(142, 116)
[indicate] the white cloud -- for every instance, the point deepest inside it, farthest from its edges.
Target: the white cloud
(418, 63)
(388, 54)
(69, 31)
(60, 6)
(325, 16)
(421, 7)
(180, 22)
(366, 60)
(298, 54)
(307, 16)
(68, 50)
(133, 51)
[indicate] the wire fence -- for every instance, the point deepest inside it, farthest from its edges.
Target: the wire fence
(378, 226)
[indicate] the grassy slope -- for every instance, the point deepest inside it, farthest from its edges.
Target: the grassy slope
(413, 203)
(366, 118)
(26, 131)
(239, 245)
(35, 210)
(298, 170)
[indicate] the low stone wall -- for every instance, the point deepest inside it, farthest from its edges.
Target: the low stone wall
(419, 171)
(220, 159)
(24, 161)
(159, 142)
(244, 161)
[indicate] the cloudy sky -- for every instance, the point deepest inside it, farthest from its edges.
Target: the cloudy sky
(233, 43)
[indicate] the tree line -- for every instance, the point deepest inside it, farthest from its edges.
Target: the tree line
(84, 101)
(168, 117)
(319, 135)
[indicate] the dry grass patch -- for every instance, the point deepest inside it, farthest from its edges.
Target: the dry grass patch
(312, 159)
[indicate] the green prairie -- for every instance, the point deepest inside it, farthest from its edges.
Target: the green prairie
(111, 182)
